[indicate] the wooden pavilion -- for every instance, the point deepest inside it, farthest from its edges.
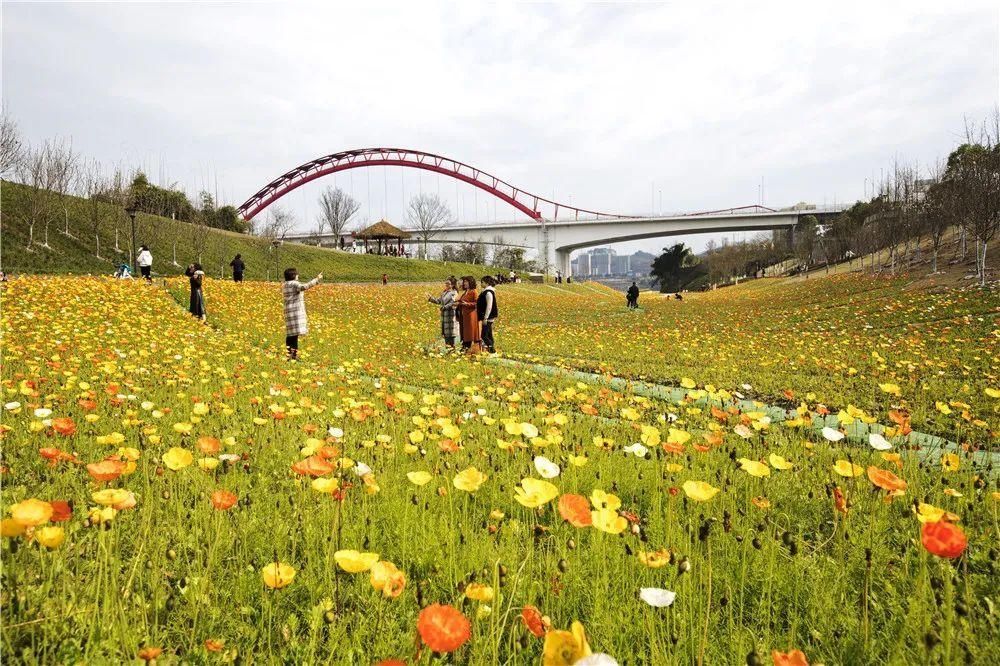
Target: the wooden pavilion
(384, 234)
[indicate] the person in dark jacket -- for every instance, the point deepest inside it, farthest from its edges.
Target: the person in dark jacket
(487, 310)
(238, 268)
(196, 276)
(632, 296)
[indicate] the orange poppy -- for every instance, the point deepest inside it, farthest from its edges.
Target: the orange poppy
(575, 509)
(885, 479)
(328, 452)
(312, 466)
(223, 500)
(943, 539)
(673, 447)
(209, 445)
(712, 438)
(902, 419)
(61, 511)
(214, 644)
(791, 658)
(839, 501)
(532, 619)
(106, 470)
(443, 628)
(148, 654)
(64, 425)
(86, 404)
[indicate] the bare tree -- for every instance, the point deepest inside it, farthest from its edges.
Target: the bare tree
(63, 165)
(11, 150)
(94, 183)
(428, 214)
(33, 171)
(277, 224)
(336, 210)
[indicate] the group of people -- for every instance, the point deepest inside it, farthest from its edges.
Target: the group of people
(632, 297)
(472, 315)
(144, 260)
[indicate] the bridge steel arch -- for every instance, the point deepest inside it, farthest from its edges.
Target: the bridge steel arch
(532, 205)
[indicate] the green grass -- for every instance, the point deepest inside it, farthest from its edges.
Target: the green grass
(214, 249)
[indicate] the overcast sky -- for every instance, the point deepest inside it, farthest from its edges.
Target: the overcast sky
(624, 108)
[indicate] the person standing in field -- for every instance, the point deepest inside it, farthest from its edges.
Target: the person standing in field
(196, 277)
(633, 296)
(446, 302)
(385, 279)
(145, 263)
(238, 267)
(487, 312)
(296, 323)
(468, 320)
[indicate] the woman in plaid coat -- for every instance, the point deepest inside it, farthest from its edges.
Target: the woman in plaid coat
(446, 301)
(296, 323)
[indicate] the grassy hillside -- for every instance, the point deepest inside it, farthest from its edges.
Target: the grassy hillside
(77, 253)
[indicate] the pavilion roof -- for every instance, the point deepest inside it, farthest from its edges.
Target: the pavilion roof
(381, 230)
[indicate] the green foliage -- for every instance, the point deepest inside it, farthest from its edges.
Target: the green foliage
(666, 268)
(91, 220)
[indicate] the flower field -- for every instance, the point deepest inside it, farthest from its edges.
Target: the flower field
(179, 492)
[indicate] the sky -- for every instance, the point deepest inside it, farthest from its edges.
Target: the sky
(649, 108)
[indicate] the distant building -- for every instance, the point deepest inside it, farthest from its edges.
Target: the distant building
(603, 262)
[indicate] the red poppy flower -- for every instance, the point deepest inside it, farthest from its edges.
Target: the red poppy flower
(532, 619)
(839, 501)
(443, 628)
(943, 539)
(61, 511)
(575, 509)
(791, 658)
(223, 500)
(64, 425)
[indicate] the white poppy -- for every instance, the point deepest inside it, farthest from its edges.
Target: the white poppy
(11, 406)
(596, 659)
(636, 449)
(672, 417)
(657, 597)
(336, 432)
(229, 457)
(747, 387)
(738, 395)
(832, 435)
(362, 469)
(546, 468)
(43, 413)
(878, 442)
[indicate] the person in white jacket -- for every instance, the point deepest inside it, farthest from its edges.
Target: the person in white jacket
(145, 263)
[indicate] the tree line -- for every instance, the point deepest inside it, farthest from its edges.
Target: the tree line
(904, 224)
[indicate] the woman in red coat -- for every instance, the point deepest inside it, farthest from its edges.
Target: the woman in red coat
(468, 320)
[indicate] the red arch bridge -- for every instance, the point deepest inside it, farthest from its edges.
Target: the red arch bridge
(555, 229)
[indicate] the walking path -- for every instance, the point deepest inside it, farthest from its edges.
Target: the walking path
(928, 447)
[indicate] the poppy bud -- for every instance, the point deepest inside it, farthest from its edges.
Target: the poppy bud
(571, 543)
(756, 543)
(683, 566)
(753, 659)
(563, 566)
(931, 639)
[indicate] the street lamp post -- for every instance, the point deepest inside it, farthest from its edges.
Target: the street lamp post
(132, 212)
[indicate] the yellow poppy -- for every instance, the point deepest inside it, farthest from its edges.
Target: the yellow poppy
(110, 496)
(324, 485)
(754, 468)
(564, 648)
(699, 491)
(655, 559)
(928, 513)
(778, 462)
(603, 500)
(950, 462)
(387, 579)
(31, 512)
(469, 480)
(419, 478)
(50, 536)
(177, 458)
(535, 492)
(479, 592)
(608, 521)
(277, 575)
(353, 561)
(848, 469)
